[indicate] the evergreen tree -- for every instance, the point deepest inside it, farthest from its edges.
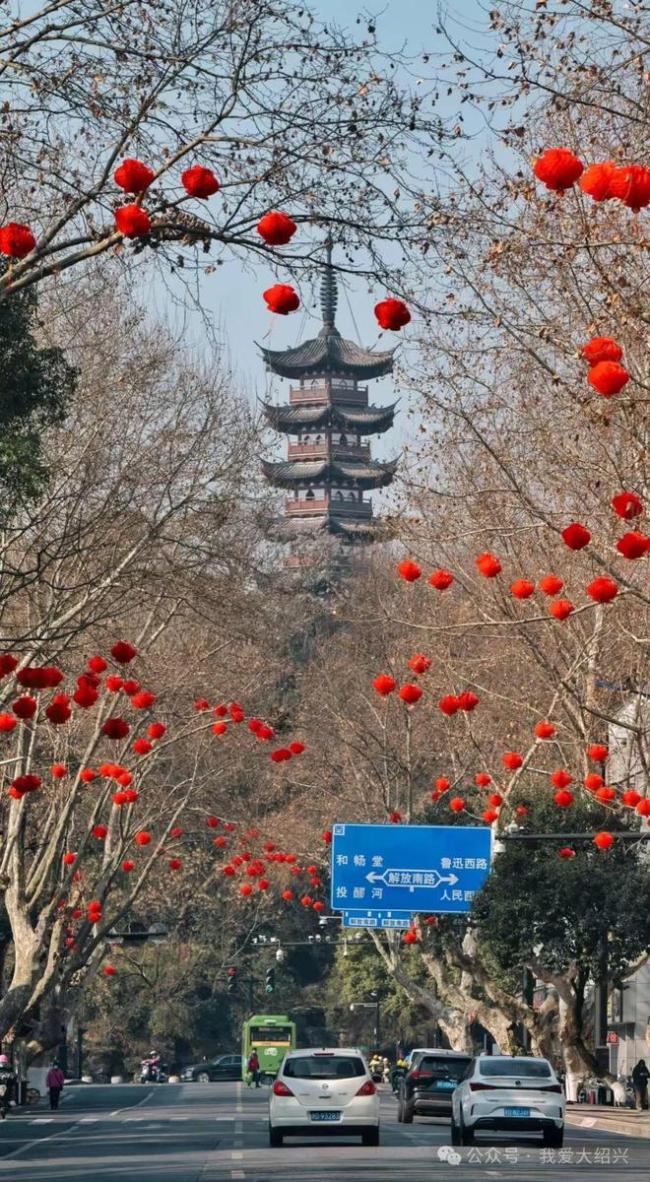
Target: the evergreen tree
(36, 384)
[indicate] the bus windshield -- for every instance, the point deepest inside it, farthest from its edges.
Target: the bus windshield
(279, 1036)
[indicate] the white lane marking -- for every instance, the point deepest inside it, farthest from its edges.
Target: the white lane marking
(588, 1123)
(115, 1113)
(236, 1156)
(239, 1106)
(38, 1141)
(89, 1120)
(42, 1120)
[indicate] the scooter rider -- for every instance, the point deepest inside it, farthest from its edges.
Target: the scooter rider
(7, 1082)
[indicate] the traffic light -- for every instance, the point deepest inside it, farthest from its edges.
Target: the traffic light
(270, 981)
(232, 979)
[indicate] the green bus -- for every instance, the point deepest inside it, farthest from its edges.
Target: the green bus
(271, 1035)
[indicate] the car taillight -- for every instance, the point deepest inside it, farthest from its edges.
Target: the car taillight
(367, 1089)
(281, 1089)
(549, 1088)
(421, 1075)
(481, 1087)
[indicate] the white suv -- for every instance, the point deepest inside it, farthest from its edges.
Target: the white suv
(518, 1094)
(324, 1091)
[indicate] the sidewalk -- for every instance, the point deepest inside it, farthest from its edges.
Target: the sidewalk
(607, 1119)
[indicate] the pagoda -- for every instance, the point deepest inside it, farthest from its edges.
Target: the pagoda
(328, 420)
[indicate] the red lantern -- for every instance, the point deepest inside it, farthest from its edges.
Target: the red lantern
(410, 937)
(7, 724)
(156, 730)
(601, 349)
(327, 837)
(100, 831)
(59, 771)
(175, 864)
(544, 730)
(384, 684)
(419, 663)
(142, 838)
(512, 760)
(631, 185)
(456, 804)
(132, 221)
(593, 781)
(495, 800)
(69, 859)
(410, 694)
(296, 748)
(442, 784)
(551, 585)
(522, 588)
(604, 841)
(561, 609)
(246, 889)
(395, 817)
(97, 665)
(566, 853)
(123, 652)
(643, 807)
(219, 728)
(409, 571)
(563, 799)
(596, 181)
(87, 775)
(280, 755)
(58, 711)
(598, 752)
(488, 565)
(85, 696)
(281, 298)
(7, 664)
(558, 169)
(276, 228)
(116, 728)
(627, 505)
(482, 779)
(602, 589)
(109, 970)
(199, 181)
(560, 778)
(576, 536)
(142, 747)
(606, 794)
(633, 545)
(25, 707)
(449, 705)
(467, 701)
(128, 866)
(133, 176)
(392, 314)
(490, 816)
(631, 798)
(143, 700)
(441, 579)
(16, 240)
(608, 378)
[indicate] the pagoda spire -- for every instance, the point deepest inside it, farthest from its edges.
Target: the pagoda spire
(328, 289)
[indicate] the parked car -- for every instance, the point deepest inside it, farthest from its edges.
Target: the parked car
(324, 1091)
(427, 1087)
(223, 1067)
(520, 1094)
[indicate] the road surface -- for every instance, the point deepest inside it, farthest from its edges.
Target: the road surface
(218, 1133)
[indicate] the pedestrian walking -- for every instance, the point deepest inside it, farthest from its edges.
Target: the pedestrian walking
(54, 1081)
(254, 1068)
(640, 1077)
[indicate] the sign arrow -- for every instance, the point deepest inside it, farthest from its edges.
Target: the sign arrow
(429, 878)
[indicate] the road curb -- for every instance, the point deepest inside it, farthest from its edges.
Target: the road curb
(632, 1126)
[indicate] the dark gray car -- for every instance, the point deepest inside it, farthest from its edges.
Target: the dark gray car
(223, 1067)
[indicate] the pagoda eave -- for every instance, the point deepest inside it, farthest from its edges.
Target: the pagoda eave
(291, 420)
(287, 474)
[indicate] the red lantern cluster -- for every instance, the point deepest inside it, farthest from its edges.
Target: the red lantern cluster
(16, 240)
(558, 169)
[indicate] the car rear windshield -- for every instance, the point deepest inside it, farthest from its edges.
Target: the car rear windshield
(533, 1068)
(324, 1067)
(443, 1067)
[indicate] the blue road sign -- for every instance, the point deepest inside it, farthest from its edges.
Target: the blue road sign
(396, 920)
(409, 868)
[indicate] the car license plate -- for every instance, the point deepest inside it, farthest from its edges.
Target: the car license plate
(328, 1115)
(445, 1083)
(517, 1111)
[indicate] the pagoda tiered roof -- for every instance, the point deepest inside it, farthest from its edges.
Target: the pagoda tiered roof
(366, 420)
(328, 353)
(364, 474)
